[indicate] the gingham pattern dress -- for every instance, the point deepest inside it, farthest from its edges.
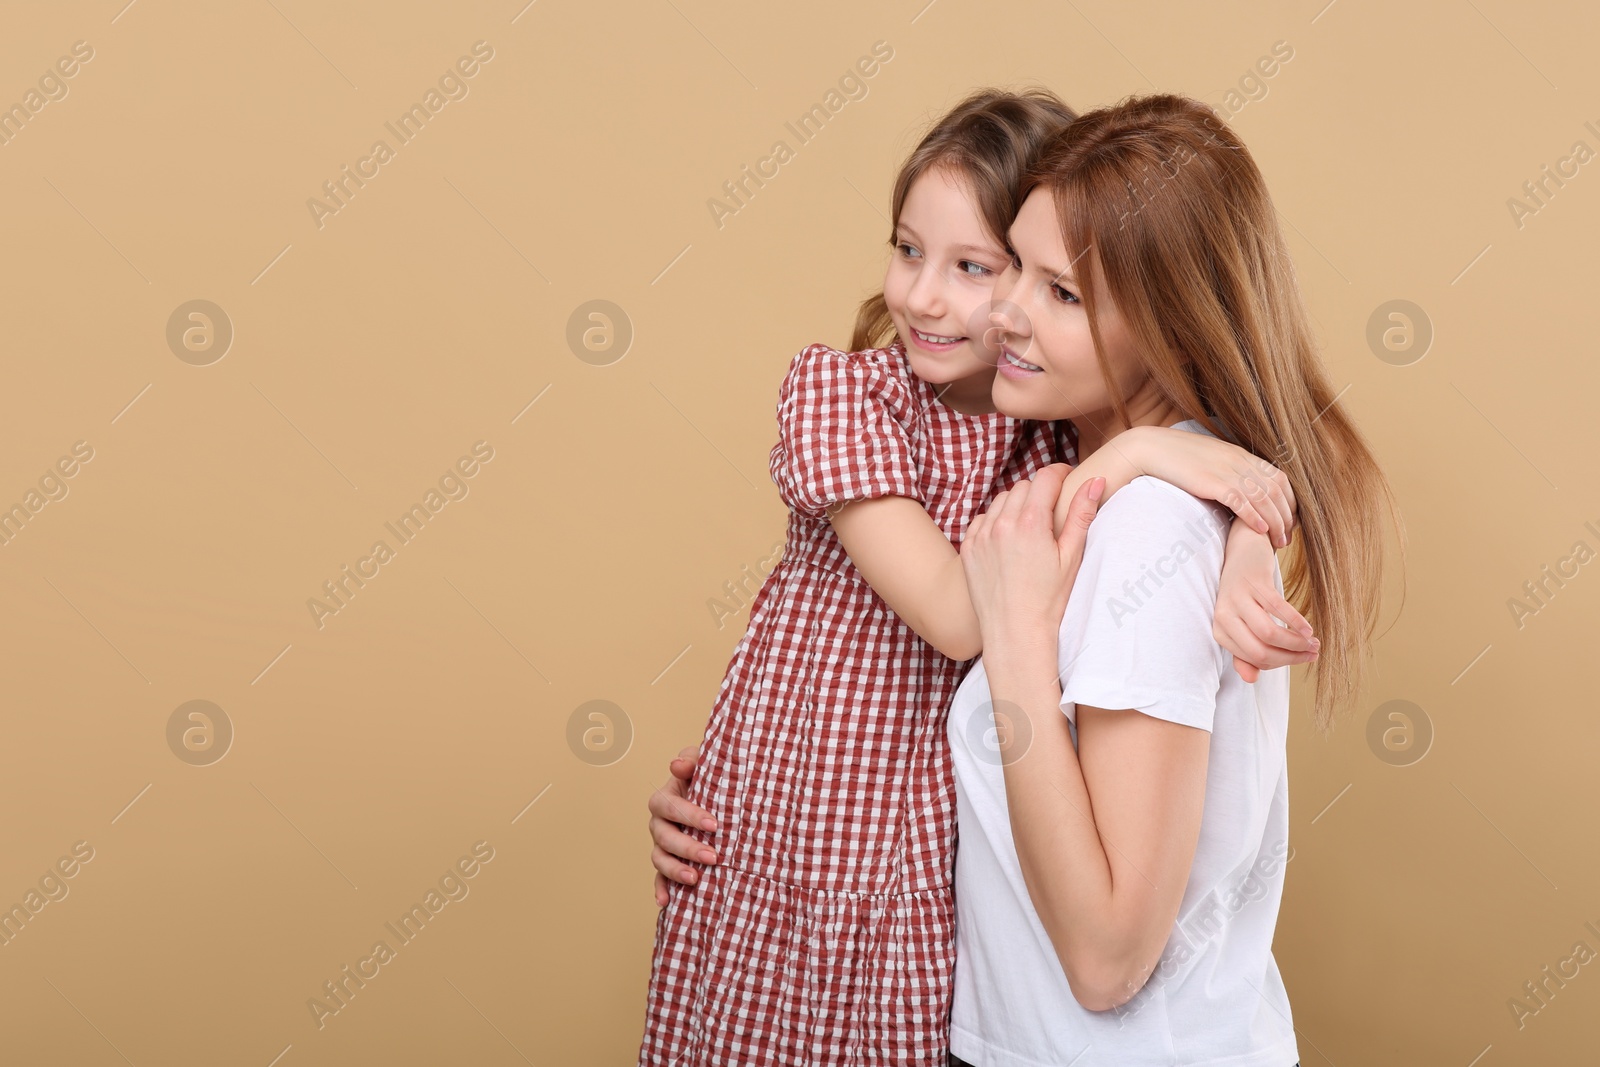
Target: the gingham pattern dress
(825, 934)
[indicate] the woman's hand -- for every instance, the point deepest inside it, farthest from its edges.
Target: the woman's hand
(1212, 469)
(1249, 607)
(1019, 572)
(669, 815)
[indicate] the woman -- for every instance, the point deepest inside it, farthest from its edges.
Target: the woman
(1123, 796)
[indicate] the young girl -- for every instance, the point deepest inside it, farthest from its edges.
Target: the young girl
(1118, 888)
(825, 933)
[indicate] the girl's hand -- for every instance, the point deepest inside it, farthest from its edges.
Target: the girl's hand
(1247, 601)
(1019, 572)
(669, 815)
(1213, 469)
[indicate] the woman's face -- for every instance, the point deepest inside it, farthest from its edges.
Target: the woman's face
(1048, 368)
(941, 279)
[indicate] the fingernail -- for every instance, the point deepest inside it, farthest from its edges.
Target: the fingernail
(687, 876)
(1316, 645)
(708, 824)
(707, 856)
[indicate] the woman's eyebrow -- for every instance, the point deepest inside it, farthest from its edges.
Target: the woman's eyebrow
(1055, 276)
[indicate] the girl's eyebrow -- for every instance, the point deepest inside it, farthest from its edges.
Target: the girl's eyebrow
(902, 230)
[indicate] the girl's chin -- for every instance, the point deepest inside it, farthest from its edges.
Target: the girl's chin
(945, 369)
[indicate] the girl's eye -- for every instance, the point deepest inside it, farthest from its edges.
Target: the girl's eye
(907, 250)
(977, 270)
(1063, 295)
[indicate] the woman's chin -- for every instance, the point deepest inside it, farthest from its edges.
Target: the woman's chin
(1028, 398)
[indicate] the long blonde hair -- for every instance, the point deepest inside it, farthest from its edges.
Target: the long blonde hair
(1187, 243)
(989, 138)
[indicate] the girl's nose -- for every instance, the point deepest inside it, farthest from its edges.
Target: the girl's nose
(926, 299)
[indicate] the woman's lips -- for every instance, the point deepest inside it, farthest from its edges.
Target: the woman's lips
(1014, 367)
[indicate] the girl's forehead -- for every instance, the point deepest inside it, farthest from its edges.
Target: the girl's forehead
(941, 206)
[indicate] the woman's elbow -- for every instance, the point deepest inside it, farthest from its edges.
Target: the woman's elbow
(1104, 985)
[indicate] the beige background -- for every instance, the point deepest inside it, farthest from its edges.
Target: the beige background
(432, 711)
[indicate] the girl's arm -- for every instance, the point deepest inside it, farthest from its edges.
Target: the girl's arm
(902, 554)
(1105, 831)
(1249, 606)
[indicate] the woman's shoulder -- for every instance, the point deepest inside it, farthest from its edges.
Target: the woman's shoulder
(1151, 513)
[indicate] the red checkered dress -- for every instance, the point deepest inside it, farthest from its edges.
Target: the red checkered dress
(825, 934)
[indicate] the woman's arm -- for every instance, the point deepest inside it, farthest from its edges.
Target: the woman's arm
(1106, 875)
(902, 554)
(1105, 833)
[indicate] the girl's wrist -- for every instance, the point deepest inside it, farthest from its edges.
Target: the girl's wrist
(1020, 656)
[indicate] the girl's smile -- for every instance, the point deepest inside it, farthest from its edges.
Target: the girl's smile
(939, 283)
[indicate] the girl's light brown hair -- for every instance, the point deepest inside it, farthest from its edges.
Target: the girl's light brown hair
(990, 138)
(1161, 203)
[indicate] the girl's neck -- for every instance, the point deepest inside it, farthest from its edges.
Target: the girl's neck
(969, 396)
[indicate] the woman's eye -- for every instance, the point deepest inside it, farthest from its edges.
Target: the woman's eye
(1016, 260)
(1063, 295)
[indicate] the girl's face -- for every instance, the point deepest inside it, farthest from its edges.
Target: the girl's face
(1048, 368)
(939, 282)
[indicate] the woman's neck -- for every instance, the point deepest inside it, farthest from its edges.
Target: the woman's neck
(1096, 428)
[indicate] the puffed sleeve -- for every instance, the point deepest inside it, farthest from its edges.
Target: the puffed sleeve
(842, 432)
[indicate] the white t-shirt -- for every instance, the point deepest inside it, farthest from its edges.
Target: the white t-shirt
(1137, 634)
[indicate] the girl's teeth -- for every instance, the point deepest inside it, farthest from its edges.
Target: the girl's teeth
(1015, 362)
(937, 340)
